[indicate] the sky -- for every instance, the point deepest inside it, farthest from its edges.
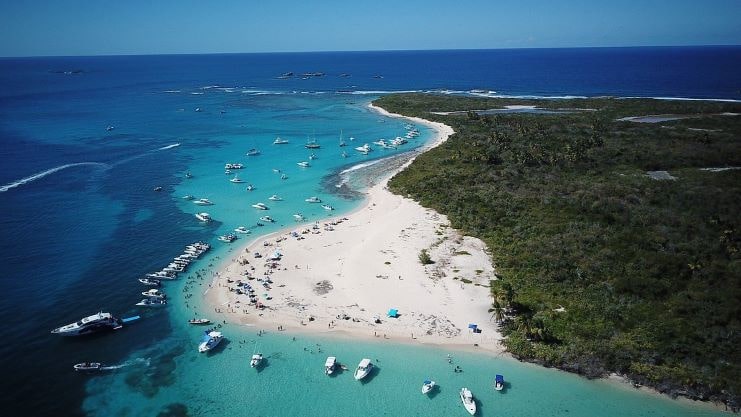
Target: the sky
(116, 27)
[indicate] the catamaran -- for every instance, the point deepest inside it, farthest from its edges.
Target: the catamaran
(364, 368)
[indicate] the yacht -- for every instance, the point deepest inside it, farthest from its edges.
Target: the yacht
(210, 340)
(253, 152)
(256, 360)
(329, 365)
(303, 164)
(313, 200)
(427, 386)
(299, 217)
(468, 402)
(199, 321)
(88, 366)
(327, 207)
(242, 229)
(228, 238)
(236, 180)
(204, 217)
(275, 197)
(260, 206)
(499, 382)
(364, 149)
(267, 219)
(233, 166)
(89, 324)
(150, 282)
(312, 144)
(152, 302)
(279, 141)
(203, 202)
(154, 293)
(364, 368)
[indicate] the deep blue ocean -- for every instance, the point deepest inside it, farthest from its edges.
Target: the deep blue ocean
(80, 220)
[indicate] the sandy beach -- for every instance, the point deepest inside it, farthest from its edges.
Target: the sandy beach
(341, 276)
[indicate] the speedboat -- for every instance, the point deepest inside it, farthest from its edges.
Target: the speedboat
(158, 188)
(203, 202)
(364, 149)
(88, 366)
(283, 176)
(89, 324)
(313, 200)
(250, 187)
(198, 110)
(204, 217)
(233, 166)
(150, 282)
(427, 386)
(468, 401)
(242, 229)
(256, 360)
(329, 365)
(253, 152)
(236, 180)
(228, 238)
(188, 197)
(313, 157)
(303, 164)
(210, 340)
(499, 382)
(279, 141)
(154, 293)
(267, 219)
(275, 197)
(109, 128)
(299, 217)
(152, 302)
(364, 368)
(327, 207)
(199, 321)
(380, 142)
(260, 206)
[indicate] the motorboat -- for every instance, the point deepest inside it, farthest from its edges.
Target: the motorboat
(88, 366)
(253, 152)
(89, 324)
(203, 202)
(242, 229)
(204, 217)
(236, 180)
(210, 340)
(150, 282)
(157, 188)
(364, 368)
(233, 166)
(275, 197)
(468, 402)
(109, 128)
(198, 110)
(195, 321)
(330, 365)
(250, 187)
(427, 386)
(256, 360)
(188, 197)
(499, 382)
(364, 149)
(188, 175)
(312, 157)
(303, 164)
(313, 200)
(260, 206)
(228, 238)
(382, 143)
(327, 207)
(279, 141)
(154, 293)
(283, 176)
(228, 172)
(152, 302)
(299, 217)
(267, 219)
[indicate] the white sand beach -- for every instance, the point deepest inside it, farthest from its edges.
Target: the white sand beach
(342, 276)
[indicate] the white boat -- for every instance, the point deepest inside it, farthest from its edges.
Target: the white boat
(253, 152)
(364, 368)
(468, 401)
(380, 142)
(198, 110)
(256, 360)
(313, 200)
(228, 172)
(203, 202)
(499, 382)
(152, 302)
(364, 149)
(210, 340)
(344, 154)
(299, 217)
(250, 187)
(188, 197)
(154, 293)
(275, 197)
(283, 176)
(427, 386)
(236, 180)
(195, 321)
(329, 365)
(242, 229)
(233, 166)
(279, 141)
(260, 206)
(89, 324)
(228, 238)
(267, 219)
(342, 141)
(88, 366)
(204, 217)
(150, 282)
(327, 207)
(312, 144)
(303, 164)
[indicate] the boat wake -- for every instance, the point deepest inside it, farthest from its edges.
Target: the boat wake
(43, 174)
(174, 145)
(132, 362)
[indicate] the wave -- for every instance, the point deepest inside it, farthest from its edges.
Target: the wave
(43, 174)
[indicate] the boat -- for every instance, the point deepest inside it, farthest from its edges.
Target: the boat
(236, 180)
(275, 197)
(188, 175)
(303, 164)
(228, 172)
(250, 187)
(210, 340)
(109, 128)
(199, 321)
(242, 229)
(364, 149)
(150, 282)
(468, 401)
(283, 176)
(267, 219)
(279, 141)
(204, 217)
(233, 166)
(256, 360)
(312, 157)
(427, 386)
(327, 207)
(88, 366)
(381, 143)
(313, 200)
(364, 368)
(158, 188)
(344, 154)
(152, 302)
(203, 202)
(154, 293)
(299, 217)
(228, 238)
(253, 152)
(198, 110)
(312, 144)
(329, 365)
(342, 141)
(499, 382)
(260, 206)
(89, 324)
(188, 197)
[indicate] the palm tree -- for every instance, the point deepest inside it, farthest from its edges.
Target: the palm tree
(497, 311)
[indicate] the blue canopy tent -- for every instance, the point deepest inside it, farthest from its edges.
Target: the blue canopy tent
(393, 313)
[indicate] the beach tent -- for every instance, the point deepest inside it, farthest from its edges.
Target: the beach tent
(393, 313)
(473, 327)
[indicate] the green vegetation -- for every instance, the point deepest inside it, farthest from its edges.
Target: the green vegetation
(600, 268)
(424, 257)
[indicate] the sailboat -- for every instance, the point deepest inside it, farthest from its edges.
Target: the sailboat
(342, 141)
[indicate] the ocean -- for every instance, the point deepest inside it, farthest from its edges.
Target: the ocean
(81, 221)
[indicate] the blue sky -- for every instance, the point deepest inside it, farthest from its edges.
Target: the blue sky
(108, 27)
